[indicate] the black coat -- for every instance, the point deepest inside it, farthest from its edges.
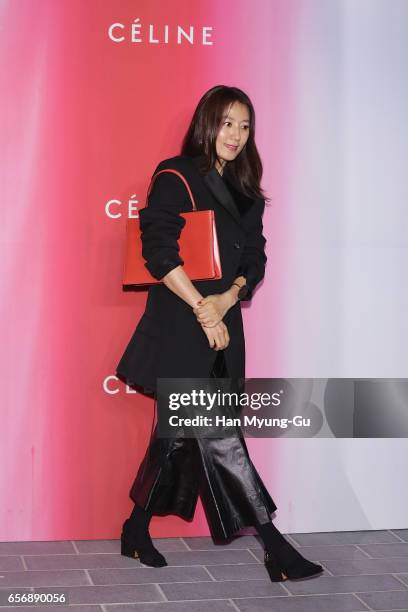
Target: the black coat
(168, 340)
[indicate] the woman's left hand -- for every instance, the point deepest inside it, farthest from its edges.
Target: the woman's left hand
(212, 309)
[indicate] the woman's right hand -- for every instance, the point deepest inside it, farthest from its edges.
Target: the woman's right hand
(218, 336)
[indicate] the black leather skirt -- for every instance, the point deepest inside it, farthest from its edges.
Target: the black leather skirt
(175, 471)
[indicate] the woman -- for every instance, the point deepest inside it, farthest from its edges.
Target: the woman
(194, 330)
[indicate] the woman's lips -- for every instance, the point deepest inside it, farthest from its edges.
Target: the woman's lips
(231, 147)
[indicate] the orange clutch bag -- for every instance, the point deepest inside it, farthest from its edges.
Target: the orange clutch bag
(198, 245)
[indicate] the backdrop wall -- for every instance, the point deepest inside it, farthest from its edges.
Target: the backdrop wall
(91, 101)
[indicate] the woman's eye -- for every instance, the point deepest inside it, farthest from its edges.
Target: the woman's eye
(246, 127)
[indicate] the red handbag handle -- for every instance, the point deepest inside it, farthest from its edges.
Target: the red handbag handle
(182, 178)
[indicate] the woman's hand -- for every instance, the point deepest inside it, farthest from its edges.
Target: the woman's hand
(218, 336)
(212, 309)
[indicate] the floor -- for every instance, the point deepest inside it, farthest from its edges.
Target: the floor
(364, 570)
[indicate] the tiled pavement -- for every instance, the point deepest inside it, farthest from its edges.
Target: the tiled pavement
(364, 570)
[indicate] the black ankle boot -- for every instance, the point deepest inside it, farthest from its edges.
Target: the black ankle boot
(137, 543)
(286, 562)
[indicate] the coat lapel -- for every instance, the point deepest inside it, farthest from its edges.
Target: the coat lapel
(242, 201)
(216, 186)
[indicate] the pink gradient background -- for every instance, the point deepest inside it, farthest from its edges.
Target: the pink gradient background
(87, 120)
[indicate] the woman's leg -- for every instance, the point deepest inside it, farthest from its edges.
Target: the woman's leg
(166, 483)
(233, 475)
(271, 536)
(136, 541)
(232, 492)
(140, 517)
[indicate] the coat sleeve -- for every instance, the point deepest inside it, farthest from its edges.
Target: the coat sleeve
(161, 224)
(253, 259)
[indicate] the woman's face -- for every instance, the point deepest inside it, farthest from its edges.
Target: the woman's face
(234, 131)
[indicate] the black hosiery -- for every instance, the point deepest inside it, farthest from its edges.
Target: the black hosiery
(140, 517)
(271, 536)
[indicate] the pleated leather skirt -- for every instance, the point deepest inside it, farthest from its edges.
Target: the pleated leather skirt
(175, 471)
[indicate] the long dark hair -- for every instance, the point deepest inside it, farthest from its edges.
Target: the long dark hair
(203, 130)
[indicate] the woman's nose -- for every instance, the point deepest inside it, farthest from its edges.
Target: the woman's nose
(236, 134)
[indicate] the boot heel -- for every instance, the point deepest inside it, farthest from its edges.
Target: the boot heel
(273, 569)
(128, 551)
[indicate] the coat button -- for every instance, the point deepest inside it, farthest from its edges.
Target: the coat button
(237, 245)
